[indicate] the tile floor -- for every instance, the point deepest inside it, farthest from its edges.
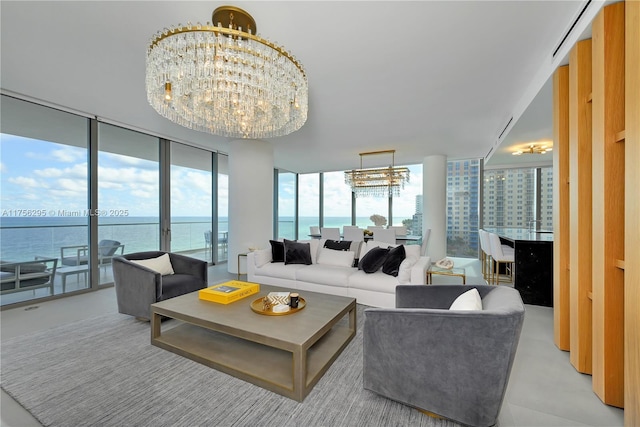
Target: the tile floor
(544, 389)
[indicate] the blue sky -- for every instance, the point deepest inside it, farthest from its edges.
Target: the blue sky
(41, 175)
(44, 175)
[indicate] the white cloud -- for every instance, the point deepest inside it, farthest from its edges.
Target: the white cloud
(69, 154)
(3, 168)
(23, 181)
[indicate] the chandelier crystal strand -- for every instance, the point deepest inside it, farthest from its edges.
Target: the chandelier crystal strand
(377, 182)
(226, 82)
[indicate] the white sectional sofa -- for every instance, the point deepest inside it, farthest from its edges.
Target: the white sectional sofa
(329, 273)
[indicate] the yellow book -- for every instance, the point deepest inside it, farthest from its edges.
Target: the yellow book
(228, 292)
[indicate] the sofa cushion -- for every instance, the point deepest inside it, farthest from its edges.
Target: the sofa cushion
(25, 267)
(279, 270)
(262, 256)
(296, 253)
(314, 245)
(277, 251)
(376, 282)
(373, 260)
(330, 275)
(161, 264)
(345, 245)
(339, 258)
(395, 257)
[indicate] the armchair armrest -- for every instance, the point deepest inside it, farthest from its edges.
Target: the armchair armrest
(138, 298)
(419, 271)
(186, 265)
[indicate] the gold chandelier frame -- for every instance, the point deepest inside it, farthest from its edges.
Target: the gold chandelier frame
(377, 182)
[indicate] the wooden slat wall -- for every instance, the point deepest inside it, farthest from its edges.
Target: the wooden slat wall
(561, 207)
(608, 204)
(580, 205)
(632, 216)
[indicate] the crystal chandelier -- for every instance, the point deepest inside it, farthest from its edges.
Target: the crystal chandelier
(226, 80)
(377, 182)
(534, 149)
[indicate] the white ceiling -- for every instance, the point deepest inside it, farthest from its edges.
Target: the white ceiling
(421, 77)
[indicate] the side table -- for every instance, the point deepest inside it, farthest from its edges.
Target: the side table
(244, 254)
(433, 269)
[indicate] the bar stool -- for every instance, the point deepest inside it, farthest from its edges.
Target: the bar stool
(485, 254)
(501, 254)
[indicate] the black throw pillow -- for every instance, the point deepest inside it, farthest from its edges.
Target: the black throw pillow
(277, 251)
(297, 253)
(373, 260)
(338, 245)
(391, 265)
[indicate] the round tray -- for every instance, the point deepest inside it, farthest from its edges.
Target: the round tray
(257, 307)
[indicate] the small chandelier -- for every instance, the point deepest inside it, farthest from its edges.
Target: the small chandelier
(379, 182)
(226, 80)
(534, 149)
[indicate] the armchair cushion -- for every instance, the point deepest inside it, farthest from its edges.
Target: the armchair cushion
(161, 264)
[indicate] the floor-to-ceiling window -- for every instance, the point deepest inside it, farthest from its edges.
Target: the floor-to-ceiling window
(44, 205)
(77, 192)
(308, 203)
(462, 207)
(191, 201)
(128, 194)
(336, 200)
(511, 198)
(286, 205)
(407, 207)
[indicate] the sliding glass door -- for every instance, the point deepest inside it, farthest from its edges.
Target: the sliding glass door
(191, 204)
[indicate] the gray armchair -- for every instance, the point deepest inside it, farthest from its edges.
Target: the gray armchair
(455, 364)
(137, 287)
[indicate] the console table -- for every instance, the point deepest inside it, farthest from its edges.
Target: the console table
(533, 254)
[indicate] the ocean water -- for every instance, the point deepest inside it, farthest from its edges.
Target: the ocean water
(23, 238)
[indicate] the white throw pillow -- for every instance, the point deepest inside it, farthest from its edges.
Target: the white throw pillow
(161, 265)
(262, 257)
(404, 273)
(469, 300)
(338, 258)
(412, 250)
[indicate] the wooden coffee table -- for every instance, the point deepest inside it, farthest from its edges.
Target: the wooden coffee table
(285, 354)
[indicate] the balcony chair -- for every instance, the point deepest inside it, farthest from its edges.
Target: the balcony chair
(386, 236)
(207, 245)
(352, 233)
(455, 364)
(314, 230)
(138, 286)
(107, 249)
(500, 254)
(330, 233)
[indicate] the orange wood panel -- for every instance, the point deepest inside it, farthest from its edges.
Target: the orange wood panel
(608, 204)
(561, 307)
(580, 206)
(632, 216)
